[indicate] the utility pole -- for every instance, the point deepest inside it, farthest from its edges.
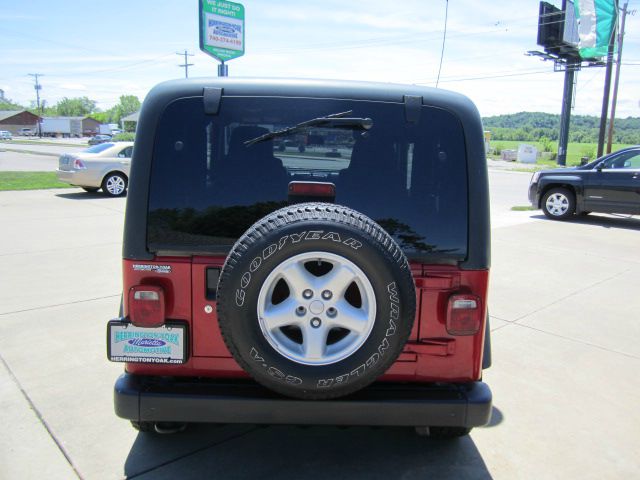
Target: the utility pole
(565, 117)
(607, 89)
(38, 87)
(185, 64)
(614, 100)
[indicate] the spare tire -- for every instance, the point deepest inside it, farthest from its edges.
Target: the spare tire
(316, 301)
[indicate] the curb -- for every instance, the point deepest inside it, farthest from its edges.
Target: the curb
(30, 152)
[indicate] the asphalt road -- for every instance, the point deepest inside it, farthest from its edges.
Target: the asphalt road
(566, 349)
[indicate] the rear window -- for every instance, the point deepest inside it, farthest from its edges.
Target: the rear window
(101, 147)
(208, 186)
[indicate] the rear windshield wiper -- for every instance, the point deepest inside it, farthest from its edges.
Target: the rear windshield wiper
(335, 120)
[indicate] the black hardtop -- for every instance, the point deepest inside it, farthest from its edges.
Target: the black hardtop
(214, 90)
(165, 92)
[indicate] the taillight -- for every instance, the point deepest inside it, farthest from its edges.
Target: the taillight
(312, 189)
(79, 164)
(464, 314)
(146, 306)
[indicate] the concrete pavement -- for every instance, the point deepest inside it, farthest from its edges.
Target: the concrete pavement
(565, 347)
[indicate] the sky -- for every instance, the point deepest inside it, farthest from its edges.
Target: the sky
(107, 49)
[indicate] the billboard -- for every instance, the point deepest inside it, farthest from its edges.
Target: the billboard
(596, 24)
(221, 29)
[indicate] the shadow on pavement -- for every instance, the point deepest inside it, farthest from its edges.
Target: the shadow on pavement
(282, 452)
(82, 195)
(625, 222)
(496, 418)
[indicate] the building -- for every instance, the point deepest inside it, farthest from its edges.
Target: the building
(90, 126)
(130, 122)
(15, 120)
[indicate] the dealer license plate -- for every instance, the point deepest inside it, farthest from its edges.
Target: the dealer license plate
(128, 343)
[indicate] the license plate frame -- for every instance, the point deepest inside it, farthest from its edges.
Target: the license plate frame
(165, 345)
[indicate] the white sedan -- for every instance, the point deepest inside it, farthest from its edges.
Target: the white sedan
(105, 166)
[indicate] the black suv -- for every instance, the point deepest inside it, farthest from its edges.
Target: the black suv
(305, 252)
(610, 184)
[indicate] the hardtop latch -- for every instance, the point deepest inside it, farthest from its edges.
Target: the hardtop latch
(211, 97)
(412, 108)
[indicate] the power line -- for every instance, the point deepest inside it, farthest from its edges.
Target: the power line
(185, 64)
(486, 77)
(444, 38)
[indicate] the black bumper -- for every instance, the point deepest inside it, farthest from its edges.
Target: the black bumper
(534, 197)
(150, 399)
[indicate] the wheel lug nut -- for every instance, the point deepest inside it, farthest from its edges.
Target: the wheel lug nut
(327, 295)
(307, 294)
(301, 310)
(332, 312)
(316, 322)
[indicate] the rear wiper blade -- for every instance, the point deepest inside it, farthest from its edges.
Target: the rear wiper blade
(335, 120)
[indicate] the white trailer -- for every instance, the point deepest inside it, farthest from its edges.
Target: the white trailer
(62, 127)
(104, 129)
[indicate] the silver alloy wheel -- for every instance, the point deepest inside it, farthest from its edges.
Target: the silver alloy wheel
(557, 204)
(323, 318)
(115, 185)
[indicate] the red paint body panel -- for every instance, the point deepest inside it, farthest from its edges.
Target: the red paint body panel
(430, 355)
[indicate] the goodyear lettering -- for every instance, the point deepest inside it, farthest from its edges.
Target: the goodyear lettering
(255, 264)
(332, 236)
(353, 243)
(296, 237)
(270, 250)
(282, 241)
(240, 297)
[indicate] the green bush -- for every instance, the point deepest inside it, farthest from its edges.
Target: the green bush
(497, 148)
(124, 137)
(588, 152)
(546, 145)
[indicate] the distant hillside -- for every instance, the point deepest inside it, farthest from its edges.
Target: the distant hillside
(531, 126)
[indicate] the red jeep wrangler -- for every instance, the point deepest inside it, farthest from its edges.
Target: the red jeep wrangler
(305, 252)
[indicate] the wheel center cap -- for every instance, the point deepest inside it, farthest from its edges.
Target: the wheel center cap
(316, 307)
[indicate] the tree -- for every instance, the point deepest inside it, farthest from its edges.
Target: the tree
(128, 105)
(75, 107)
(6, 104)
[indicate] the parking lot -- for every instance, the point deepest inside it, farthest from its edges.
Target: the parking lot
(564, 310)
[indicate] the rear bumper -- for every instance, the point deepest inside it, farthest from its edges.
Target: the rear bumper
(78, 177)
(149, 399)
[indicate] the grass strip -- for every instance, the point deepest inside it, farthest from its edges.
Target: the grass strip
(522, 208)
(30, 181)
